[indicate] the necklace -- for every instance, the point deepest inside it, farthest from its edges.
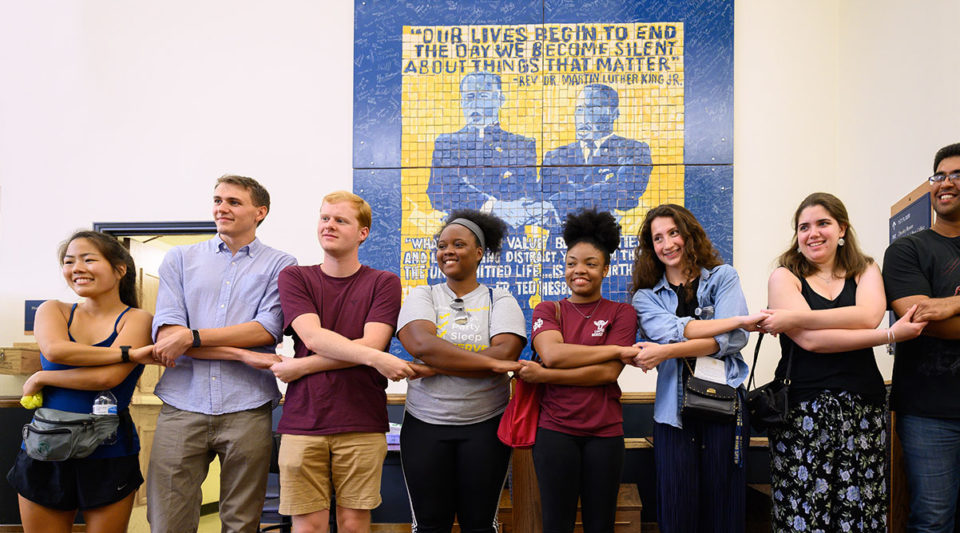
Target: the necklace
(830, 279)
(586, 317)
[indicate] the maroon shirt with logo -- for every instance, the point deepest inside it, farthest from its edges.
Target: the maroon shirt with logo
(349, 399)
(585, 411)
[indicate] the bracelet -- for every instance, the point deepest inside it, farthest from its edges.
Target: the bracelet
(124, 354)
(891, 336)
(196, 338)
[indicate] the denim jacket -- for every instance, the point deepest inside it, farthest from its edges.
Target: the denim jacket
(656, 309)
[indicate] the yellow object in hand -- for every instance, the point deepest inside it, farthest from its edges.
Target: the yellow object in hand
(33, 401)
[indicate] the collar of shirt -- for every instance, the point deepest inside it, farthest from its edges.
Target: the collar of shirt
(250, 249)
(664, 284)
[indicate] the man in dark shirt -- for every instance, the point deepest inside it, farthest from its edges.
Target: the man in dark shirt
(923, 269)
(342, 315)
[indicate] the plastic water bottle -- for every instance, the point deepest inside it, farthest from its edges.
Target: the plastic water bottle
(105, 404)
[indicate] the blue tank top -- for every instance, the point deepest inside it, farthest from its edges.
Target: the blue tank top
(81, 401)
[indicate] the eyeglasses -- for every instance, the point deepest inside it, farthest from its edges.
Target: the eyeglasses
(460, 315)
(940, 176)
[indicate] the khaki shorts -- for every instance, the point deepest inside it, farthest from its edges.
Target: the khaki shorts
(308, 463)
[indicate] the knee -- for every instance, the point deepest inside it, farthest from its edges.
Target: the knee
(353, 521)
(318, 522)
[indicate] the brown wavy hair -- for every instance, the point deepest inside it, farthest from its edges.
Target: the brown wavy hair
(849, 259)
(698, 251)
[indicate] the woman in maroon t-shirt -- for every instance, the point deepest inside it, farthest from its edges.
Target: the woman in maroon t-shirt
(579, 448)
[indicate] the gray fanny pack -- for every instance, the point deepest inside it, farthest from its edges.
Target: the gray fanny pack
(55, 435)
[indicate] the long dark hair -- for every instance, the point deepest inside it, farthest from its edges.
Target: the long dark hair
(114, 252)
(849, 257)
(698, 251)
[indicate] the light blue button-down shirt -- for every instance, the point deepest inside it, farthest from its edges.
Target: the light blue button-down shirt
(205, 286)
(657, 310)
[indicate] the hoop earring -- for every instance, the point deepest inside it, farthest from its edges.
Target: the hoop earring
(841, 242)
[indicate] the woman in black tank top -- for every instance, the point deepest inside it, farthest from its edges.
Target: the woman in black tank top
(826, 300)
(87, 347)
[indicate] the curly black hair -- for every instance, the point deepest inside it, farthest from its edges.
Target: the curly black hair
(493, 228)
(597, 228)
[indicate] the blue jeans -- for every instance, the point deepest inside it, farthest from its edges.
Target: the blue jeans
(931, 450)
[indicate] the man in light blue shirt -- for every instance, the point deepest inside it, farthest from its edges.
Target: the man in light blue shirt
(216, 328)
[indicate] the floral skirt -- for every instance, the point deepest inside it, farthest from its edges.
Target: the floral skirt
(827, 465)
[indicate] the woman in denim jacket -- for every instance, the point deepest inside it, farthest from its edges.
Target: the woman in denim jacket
(690, 305)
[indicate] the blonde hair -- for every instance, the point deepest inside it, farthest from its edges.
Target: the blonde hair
(364, 214)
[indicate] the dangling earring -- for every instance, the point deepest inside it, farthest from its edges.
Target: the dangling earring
(841, 242)
(798, 250)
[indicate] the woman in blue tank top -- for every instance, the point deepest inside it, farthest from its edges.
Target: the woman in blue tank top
(88, 347)
(827, 462)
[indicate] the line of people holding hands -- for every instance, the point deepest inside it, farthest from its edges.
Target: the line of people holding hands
(224, 305)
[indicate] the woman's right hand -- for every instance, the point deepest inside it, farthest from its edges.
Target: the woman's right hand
(905, 329)
(144, 355)
(752, 322)
(33, 384)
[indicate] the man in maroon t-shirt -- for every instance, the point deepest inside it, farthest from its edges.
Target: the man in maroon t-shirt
(342, 315)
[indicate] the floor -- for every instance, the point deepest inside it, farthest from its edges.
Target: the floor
(138, 522)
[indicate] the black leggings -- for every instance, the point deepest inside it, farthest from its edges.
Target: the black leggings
(453, 471)
(570, 467)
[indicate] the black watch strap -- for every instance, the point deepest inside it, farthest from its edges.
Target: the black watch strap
(124, 354)
(196, 338)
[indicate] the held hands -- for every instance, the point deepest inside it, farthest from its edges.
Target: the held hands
(288, 369)
(172, 344)
(259, 360)
(502, 367)
(933, 309)
(392, 367)
(530, 372)
(905, 328)
(752, 322)
(627, 353)
(778, 320)
(144, 355)
(651, 354)
(421, 371)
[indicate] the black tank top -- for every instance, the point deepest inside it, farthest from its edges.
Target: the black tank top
(854, 371)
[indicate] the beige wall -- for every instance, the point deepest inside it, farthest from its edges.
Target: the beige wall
(128, 111)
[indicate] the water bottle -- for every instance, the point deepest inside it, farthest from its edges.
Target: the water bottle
(105, 404)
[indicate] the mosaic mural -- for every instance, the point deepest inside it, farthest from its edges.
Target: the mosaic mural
(529, 112)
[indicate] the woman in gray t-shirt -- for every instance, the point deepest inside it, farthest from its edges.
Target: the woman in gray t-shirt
(465, 337)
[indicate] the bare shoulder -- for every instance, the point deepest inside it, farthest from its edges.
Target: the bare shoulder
(137, 318)
(55, 308)
(781, 276)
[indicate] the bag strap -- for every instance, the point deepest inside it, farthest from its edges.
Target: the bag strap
(753, 367)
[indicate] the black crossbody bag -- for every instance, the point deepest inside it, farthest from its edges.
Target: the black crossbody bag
(768, 404)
